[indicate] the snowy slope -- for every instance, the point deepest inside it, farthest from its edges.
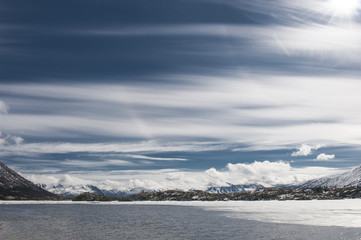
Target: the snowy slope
(349, 178)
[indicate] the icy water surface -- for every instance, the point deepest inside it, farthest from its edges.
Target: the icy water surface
(146, 221)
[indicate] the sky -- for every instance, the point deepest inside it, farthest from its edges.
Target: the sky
(179, 94)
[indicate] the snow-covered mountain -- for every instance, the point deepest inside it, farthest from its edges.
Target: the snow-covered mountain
(71, 191)
(234, 188)
(349, 178)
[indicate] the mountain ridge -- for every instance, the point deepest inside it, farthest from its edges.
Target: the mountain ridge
(348, 178)
(15, 186)
(72, 191)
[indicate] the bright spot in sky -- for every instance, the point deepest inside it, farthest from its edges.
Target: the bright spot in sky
(343, 8)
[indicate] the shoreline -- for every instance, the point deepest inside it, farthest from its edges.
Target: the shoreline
(158, 202)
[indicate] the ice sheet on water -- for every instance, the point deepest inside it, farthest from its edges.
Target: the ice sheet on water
(343, 213)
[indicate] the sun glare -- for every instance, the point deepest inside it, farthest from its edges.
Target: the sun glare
(343, 8)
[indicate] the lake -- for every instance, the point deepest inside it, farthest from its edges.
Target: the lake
(177, 220)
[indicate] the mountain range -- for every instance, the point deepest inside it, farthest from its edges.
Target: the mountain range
(349, 178)
(14, 186)
(70, 191)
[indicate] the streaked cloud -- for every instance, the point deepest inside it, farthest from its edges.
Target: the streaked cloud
(307, 39)
(295, 109)
(156, 158)
(135, 147)
(4, 108)
(112, 162)
(324, 11)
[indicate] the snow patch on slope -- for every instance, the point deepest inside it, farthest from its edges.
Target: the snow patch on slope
(349, 178)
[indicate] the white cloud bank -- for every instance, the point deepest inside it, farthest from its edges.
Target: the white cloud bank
(266, 173)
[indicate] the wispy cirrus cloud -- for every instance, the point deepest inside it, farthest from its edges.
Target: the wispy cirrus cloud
(121, 147)
(300, 11)
(307, 39)
(92, 164)
(278, 112)
(156, 158)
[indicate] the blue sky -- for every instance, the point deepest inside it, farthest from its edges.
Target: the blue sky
(179, 94)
